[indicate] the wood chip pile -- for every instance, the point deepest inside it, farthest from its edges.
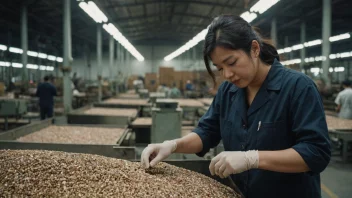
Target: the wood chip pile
(338, 123)
(74, 135)
(142, 122)
(58, 174)
(112, 112)
(127, 101)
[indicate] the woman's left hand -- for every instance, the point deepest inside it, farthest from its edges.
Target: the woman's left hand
(233, 162)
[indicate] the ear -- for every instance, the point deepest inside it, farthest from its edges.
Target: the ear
(255, 50)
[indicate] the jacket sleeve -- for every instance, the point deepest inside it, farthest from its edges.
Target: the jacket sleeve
(208, 127)
(310, 129)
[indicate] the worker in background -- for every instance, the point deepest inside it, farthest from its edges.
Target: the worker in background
(46, 92)
(270, 118)
(344, 101)
(174, 92)
(189, 89)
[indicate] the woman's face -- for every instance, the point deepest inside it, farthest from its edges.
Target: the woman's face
(235, 65)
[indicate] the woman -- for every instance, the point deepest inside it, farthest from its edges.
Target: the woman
(271, 119)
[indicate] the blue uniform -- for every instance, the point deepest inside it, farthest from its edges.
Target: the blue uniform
(291, 113)
(46, 92)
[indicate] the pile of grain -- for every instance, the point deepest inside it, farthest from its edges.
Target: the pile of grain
(111, 112)
(338, 123)
(127, 101)
(74, 135)
(58, 174)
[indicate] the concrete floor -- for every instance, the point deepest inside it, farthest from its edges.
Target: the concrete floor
(337, 180)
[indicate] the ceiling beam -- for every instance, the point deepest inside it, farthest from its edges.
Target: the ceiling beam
(125, 4)
(157, 24)
(142, 17)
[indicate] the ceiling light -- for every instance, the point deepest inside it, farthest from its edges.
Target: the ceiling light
(31, 53)
(3, 47)
(93, 11)
(32, 66)
(263, 5)
(4, 64)
(59, 59)
(249, 16)
(287, 49)
(297, 47)
(52, 58)
(15, 50)
(42, 67)
(49, 68)
(42, 55)
(340, 37)
(17, 65)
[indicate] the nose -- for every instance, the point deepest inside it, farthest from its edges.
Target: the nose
(228, 73)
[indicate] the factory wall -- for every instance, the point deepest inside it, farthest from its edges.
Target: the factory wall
(154, 58)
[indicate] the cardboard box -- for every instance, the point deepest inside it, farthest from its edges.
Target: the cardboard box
(166, 76)
(130, 81)
(151, 82)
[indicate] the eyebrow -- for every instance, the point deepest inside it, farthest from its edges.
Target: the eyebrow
(224, 60)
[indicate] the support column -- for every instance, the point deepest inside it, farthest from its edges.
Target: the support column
(112, 72)
(326, 43)
(194, 58)
(303, 50)
(66, 63)
(99, 66)
(24, 45)
(273, 32)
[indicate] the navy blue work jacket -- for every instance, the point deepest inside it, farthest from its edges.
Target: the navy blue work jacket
(291, 113)
(46, 92)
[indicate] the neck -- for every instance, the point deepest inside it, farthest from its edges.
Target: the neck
(260, 76)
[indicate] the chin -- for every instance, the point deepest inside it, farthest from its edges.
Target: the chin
(240, 84)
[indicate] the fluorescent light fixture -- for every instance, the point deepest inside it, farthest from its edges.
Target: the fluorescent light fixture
(297, 47)
(42, 67)
(287, 49)
(52, 58)
(315, 70)
(280, 51)
(340, 37)
(263, 5)
(50, 68)
(339, 69)
(32, 66)
(32, 53)
(5, 64)
(113, 31)
(317, 42)
(291, 62)
(15, 50)
(194, 41)
(331, 69)
(59, 59)
(17, 65)
(42, 55)
(3, 47)
(93, 11)
(249, 16)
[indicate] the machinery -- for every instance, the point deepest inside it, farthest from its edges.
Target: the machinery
(166, 122)
(155, 95)
(12, 108)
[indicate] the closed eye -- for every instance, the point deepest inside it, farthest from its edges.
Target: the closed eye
(220, 69)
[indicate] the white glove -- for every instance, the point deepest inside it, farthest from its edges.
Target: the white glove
(155, 153)
(233, 162)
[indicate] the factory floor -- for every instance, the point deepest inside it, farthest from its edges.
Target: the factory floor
(336, 180)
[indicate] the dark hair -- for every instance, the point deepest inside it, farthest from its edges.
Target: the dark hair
(347, 83)
(233, 32)
(46, 78)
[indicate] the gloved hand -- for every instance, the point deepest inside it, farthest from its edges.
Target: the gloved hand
(233, 162)
(155, 153)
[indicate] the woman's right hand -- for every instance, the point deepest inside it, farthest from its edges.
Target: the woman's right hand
(155, 153)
